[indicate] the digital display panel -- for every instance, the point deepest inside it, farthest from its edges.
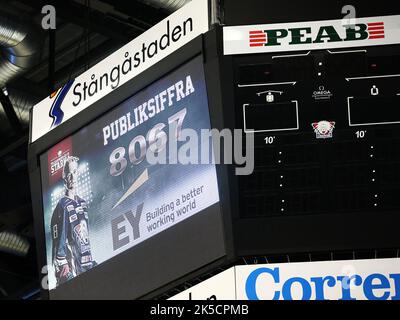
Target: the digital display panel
(121, 179)
(325, 126)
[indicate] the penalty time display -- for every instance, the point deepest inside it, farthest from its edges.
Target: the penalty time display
(118, 181)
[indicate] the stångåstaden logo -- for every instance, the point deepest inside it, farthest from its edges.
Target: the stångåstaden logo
(129, 61)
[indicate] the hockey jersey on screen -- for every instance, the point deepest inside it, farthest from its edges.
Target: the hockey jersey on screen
(70, 238)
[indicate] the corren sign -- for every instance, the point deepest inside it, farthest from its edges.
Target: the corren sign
(375, 279)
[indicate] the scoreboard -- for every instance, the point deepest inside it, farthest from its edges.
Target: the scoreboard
(320, 99)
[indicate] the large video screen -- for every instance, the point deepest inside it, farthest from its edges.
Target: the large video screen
(121, 179)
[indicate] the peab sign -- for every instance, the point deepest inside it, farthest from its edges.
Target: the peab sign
(377, 279)
(135, 57)
(314, 35)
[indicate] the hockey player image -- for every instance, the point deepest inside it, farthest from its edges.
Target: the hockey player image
(71, 252)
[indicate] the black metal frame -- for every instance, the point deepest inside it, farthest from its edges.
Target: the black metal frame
(10, 112)
(210, 48)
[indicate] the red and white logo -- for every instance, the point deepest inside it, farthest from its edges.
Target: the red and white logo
(321, 34)
(376, 30)
(312, 35)
(257, 38)
(323, 129)
(57, 157)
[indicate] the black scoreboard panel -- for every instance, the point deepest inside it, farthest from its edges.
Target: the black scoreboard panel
(199, 244)
(327, 131)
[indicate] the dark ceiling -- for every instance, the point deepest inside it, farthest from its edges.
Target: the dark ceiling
(86, 32)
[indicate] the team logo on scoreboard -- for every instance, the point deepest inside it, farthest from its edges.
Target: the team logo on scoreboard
(56, 159)
(323, 129)
(307, 35)
(57, 163)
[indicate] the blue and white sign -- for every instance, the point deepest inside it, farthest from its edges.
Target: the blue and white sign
(375, 279)
(124, 64)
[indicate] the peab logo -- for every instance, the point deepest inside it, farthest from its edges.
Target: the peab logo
(309, 35)
(257, 38)
(349, 32)
(376, 30)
